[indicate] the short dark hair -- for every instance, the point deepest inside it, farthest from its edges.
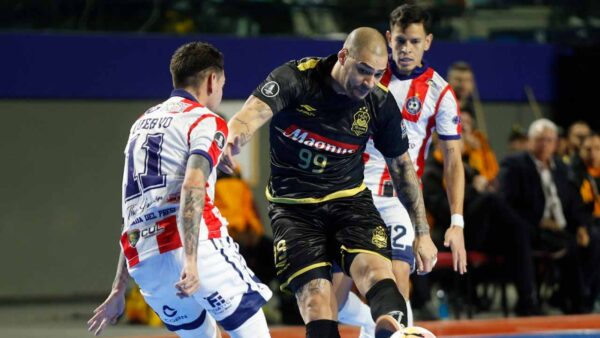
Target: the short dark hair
(408, 14)
(191, 62)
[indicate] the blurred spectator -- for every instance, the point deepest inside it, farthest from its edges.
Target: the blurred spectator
(517, 139)
(590, 194)
(234, 199)
(461, 79)
(577, 132)
(479, 155)
(538, 189)
(490, 225)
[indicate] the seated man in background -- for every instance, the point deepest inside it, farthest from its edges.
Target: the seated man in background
(493, 225)
(538, 189)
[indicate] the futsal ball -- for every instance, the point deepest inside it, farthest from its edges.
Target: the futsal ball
(413, 332)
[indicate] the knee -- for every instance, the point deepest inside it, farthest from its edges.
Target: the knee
(314, 299)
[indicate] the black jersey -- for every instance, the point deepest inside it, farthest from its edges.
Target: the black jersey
(318, 136)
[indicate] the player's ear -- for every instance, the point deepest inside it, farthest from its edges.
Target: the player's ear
(342, 56)
(388, 37)
(211, 83)
(428, 40)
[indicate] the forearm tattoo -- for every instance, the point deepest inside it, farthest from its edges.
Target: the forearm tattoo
(192, 204)
(245, 133)
(253, 115)
(409, 192)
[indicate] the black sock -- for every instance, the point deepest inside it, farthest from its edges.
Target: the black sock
(385, 299)
(322, 328)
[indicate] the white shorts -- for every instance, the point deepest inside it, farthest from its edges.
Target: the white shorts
(402, 233)
(229, 290)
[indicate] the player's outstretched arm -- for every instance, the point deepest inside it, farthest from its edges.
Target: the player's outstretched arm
(409, 192)
(114, 305)
(454, 174)
(193, 193)
(242, 127)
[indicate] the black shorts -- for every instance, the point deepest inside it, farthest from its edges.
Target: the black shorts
(307, 238)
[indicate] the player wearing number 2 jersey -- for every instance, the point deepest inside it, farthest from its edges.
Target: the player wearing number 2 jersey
(324, 111)
(174, 240)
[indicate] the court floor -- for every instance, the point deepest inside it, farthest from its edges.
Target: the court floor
(68, 321)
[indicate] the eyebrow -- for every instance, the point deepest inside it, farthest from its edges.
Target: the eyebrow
(369, 67)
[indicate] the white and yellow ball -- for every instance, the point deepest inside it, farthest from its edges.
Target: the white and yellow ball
(413, 332)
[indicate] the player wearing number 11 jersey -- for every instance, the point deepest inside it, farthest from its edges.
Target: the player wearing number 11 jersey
(174, 240)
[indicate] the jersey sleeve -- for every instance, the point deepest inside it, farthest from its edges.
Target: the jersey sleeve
(447, 120)
(390, 137)
(280, 88)
(207, 136)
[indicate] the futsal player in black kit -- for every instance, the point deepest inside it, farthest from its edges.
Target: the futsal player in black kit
(323, 112)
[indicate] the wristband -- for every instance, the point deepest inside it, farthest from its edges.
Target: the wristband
(458, 220)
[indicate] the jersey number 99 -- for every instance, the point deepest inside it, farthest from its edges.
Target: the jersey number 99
(308, 159)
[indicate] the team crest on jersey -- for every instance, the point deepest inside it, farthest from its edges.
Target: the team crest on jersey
(270, 89)
(220, 139)
(413, 105)
(456, 119)
(133, 237)
(380, 237)
(361, 121)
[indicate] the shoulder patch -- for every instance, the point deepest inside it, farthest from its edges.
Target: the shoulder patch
(270, 89)
(308, 64)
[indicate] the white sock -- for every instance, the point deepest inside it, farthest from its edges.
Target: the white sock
(409, 314)
(356, 313)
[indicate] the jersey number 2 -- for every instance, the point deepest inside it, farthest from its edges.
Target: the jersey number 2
(152, 176)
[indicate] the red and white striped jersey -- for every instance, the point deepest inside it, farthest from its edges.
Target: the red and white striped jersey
(427, 103)
(160, 143)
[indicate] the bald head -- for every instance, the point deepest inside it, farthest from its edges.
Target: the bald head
(366, 39)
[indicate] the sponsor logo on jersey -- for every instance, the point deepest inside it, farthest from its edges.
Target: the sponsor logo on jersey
(220, 139)
(380, 237)
(306, 110)
(270, 89)
(168, 311)
(317, 141)
(361, 121)
(133, 237)
(413, 105)
(218, 303)
(151, 231)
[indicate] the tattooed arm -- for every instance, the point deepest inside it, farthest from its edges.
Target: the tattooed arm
(242, 127)
(409, 192)
(109, 311)
(408, 187)
(193, 192)
(454, 174)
